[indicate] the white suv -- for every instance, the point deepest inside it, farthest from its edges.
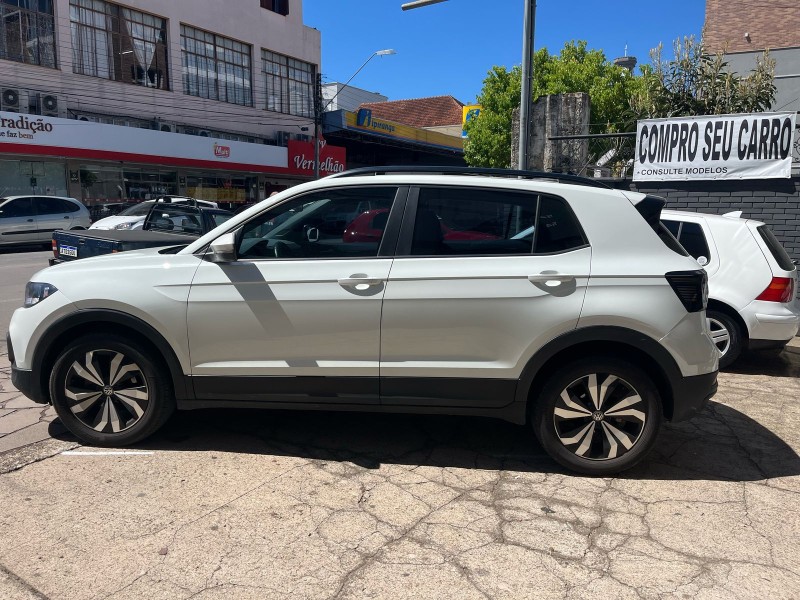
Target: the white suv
(751, 280)
(391, 290)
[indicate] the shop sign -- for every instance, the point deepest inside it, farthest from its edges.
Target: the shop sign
(50, 136)
(364, 121)
(745, 146)
(301, 158)
(468, 113)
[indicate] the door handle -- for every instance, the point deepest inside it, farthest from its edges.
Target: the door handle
(66, 216)
(547, 277)
(30, 220)
(355, 280)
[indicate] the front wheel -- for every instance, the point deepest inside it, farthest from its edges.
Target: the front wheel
(107, 391)
(598, 416)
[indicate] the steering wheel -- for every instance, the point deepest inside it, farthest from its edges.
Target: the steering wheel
(284, 249)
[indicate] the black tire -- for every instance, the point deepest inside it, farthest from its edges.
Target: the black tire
(600, 445)
(101, 415)
(730, 347)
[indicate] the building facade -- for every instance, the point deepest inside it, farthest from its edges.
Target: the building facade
(743, 29)
(108, 101)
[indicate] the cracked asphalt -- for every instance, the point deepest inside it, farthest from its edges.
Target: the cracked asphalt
(246, 504)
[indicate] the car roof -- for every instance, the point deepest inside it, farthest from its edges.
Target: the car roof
(39, 196)
(727, 218)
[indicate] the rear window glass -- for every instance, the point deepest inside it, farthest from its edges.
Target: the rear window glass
(558, 230)
(775, 248)
(691, 237)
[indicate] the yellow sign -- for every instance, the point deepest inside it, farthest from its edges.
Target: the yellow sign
(363, 120)
(469, 112)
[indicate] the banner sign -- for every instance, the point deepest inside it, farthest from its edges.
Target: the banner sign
(752, 146)
(49, 136)
(301, 158)
(364, 121)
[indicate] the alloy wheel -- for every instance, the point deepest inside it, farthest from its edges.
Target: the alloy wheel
(719, 335)
(599, 417)
(106, 391)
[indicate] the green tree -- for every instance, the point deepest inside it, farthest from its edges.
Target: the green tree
(574, 69)
(698, 82)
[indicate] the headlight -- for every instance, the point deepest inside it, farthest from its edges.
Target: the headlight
(123, 226)
(35, 292)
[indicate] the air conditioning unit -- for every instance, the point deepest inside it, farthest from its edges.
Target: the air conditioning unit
(282, 137)
(13, 100)
(166, 127)
(48, 105)
(91, 118)
(204, 133)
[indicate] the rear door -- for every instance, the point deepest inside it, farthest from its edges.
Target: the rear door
(18, 222)
(481, 280)
(52, 214)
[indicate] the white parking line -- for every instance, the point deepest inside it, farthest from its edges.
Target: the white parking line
(107, 453)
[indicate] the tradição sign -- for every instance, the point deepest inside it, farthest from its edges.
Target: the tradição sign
(755, 146)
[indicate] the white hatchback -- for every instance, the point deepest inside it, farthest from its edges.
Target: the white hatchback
(751, 280)
(133, 217)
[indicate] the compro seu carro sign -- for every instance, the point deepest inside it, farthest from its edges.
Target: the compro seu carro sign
(756, 146)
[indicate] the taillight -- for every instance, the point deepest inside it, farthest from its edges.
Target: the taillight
(780, 289)
(55, 248)
(691, 287)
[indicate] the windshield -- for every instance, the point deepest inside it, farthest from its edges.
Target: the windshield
(175, 218)
(138, 210)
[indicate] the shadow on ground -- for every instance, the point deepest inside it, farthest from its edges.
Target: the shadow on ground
(720, 444)
(24, 249)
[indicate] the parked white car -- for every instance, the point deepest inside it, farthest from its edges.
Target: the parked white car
(133, 217)
(751, 280)
(591, 331)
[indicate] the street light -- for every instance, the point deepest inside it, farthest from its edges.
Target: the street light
(529, 21)
(419, 4)
(320, 110)
(373, 55)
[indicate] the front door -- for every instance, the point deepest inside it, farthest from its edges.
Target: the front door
(485, 279)
(51, 215)
(297, 317)
(18, 222)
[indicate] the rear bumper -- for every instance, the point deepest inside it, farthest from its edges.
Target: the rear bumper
(767, 344)
(691, 395)
(770, 321)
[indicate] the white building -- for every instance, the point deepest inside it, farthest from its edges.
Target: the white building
(338, 96)
(215, 91)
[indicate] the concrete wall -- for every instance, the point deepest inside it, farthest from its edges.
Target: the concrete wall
(243, 21)
(776, 202)
(348, 97)
(787, 74)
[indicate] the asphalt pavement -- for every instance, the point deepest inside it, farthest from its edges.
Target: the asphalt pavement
(17, 265)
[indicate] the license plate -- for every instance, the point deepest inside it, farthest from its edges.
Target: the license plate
(68, 251)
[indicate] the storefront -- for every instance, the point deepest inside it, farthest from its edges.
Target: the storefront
(100, 164)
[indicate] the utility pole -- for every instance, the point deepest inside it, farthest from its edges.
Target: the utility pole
(527, 83)
(317, 121)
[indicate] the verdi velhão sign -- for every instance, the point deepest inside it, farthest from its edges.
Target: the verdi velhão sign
(746, 146)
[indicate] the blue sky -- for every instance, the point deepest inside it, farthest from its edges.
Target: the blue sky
(447, 48)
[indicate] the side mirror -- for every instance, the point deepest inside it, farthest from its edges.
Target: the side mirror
(223, 249)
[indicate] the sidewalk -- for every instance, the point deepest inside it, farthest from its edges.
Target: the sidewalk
(22, 421)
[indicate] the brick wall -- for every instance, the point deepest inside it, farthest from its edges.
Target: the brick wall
(770, 23)
(776, 202)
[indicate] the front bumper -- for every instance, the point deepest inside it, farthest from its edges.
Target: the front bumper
(23, 379)
(691, 395)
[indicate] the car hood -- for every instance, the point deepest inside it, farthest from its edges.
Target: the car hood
(112, 222)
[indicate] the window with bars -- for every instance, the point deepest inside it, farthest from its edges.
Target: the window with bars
(289, 84)
(216, 67)
(279, 6)
(27, 32)
(118, 43)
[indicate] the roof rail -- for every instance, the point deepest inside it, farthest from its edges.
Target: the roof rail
(451, 170)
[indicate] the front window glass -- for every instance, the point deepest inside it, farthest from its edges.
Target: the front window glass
(330, 224)
(138, 210)
(21, 207)
(175, 218)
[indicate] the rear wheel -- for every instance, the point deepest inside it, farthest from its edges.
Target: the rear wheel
(726, 335)
(108, 392)
(598, 416)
